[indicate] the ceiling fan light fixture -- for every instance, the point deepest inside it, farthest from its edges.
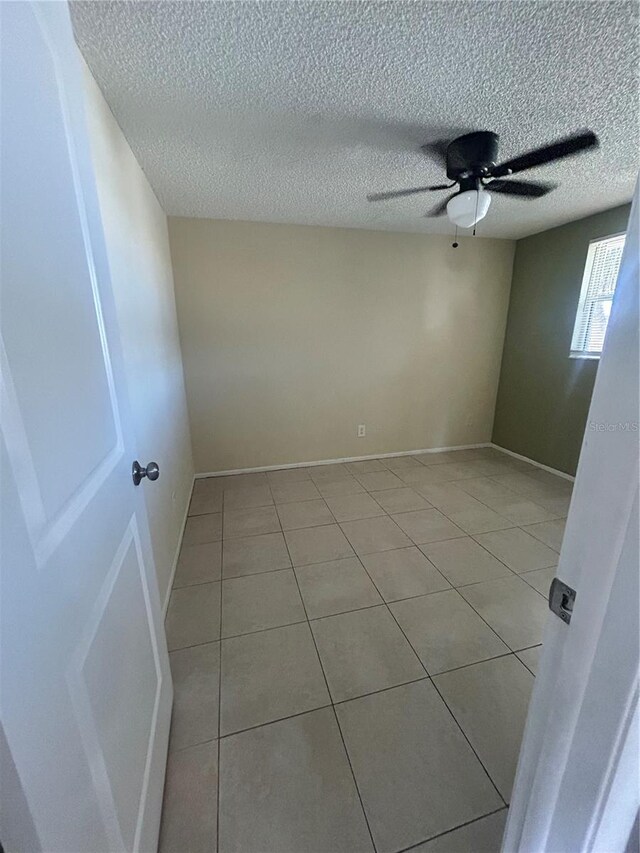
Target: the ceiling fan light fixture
(469, 207)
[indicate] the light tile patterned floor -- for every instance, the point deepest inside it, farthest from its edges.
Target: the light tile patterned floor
(353, 649)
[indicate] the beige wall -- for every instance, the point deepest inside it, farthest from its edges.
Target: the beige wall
(293, 335)
(140, 264)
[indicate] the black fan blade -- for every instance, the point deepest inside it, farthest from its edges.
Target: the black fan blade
(436, 151)
(441, 208)
(539, 156)
(400, 193)
(523, 189)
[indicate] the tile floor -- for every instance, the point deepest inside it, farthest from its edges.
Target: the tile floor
(353, 648)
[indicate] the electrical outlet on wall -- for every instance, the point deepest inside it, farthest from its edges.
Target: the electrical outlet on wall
(362, 430)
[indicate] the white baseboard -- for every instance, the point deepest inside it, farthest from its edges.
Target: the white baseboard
(533, 462)
(342, 459)
(175, 559)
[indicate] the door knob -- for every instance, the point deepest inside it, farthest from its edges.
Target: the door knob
(152, 472)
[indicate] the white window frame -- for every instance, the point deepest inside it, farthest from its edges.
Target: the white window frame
(575, 352)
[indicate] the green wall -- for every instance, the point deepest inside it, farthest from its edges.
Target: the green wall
(543, 396)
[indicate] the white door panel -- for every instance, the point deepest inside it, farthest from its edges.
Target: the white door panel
(86, 692)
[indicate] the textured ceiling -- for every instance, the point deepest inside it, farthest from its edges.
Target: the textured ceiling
(294, 111)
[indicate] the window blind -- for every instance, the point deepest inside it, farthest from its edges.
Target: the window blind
(596, 296)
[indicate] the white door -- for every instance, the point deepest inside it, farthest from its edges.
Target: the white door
(578, 782)
(85, 686)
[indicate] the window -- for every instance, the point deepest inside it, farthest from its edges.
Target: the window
(596, 296)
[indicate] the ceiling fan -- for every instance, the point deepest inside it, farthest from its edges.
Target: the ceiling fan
(471, 164)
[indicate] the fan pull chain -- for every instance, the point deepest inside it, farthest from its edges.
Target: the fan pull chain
(476, 216)
(454, 245)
